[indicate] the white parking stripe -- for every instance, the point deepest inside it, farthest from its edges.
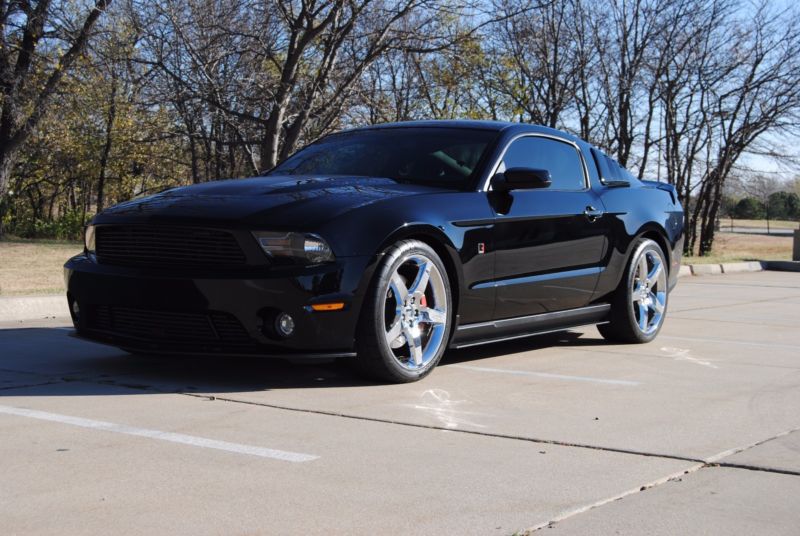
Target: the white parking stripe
(731, 341)
(548, 375)
(163, 436)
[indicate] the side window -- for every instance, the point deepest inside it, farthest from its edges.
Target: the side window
(559, 158)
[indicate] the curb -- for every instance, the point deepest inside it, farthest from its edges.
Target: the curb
(738, 267)
(724, 268)
(17, 308)
(706, 269)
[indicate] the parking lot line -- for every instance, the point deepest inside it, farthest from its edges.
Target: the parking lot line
(548, 375)
(729, 341)
(183, 439)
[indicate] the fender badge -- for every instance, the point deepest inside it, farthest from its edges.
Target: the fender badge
(481, 248)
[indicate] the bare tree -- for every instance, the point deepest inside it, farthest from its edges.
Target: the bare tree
(32, 68)
(279, 72)
(625, 39)
(685, 85)
(540, 61)
(229, 88)
(758, 93)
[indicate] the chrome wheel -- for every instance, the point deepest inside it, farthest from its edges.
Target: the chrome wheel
(415, 312)
(649, 291)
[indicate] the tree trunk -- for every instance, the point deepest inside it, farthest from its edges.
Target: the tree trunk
(6, 165)
(7, 159)
(710, 218)
(193, 153)
(112, 113)
(272, 136)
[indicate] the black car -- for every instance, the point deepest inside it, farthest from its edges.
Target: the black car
(386, 245)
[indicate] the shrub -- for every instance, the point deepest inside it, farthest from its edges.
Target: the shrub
(67, 227)
(749, 208)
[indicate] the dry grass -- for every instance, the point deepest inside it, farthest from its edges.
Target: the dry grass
(732, 247)
(34, 266)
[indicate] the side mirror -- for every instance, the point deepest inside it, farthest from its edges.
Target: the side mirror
(520, 178)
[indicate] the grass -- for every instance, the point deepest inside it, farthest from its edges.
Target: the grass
(733, 247)
(725, 223)
(33, 266)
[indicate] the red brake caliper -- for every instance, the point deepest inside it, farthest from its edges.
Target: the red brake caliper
(423, 302)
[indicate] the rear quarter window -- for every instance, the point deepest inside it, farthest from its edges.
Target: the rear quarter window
(610, 169)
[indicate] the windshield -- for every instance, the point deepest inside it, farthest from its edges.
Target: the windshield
(437, 156)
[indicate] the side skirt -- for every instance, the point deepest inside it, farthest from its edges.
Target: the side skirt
(525, 326)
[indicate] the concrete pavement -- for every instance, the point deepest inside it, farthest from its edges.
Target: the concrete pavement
(693, 433)
(712, 501)
(21, 308)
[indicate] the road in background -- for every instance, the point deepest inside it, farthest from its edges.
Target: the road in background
(693, 433)
(772, 231)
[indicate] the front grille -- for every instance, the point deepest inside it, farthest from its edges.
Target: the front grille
(152, 245)
(161, 326)
(229, 329)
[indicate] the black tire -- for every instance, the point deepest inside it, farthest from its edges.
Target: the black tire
(625, 319)
(378, 360)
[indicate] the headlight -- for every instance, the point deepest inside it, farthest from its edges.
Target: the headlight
(297, 247)
(88, 239)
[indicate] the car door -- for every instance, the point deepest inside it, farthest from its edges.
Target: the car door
(548, 242)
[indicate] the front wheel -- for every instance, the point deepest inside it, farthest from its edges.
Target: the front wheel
(639, 304)
(406, 320)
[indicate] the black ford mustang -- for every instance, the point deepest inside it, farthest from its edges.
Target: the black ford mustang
(386, 245)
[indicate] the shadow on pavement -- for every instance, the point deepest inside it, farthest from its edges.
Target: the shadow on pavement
(62, 365)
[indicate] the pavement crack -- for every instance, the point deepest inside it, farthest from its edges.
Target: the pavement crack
(709, 463)
(71, 378)
(673, 477)
(27, 385)
(748, 467)
(445, 429)
(716, 458)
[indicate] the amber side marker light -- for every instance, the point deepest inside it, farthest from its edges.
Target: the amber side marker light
(337, 306)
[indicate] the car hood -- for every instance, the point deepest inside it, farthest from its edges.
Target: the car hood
(281, 201)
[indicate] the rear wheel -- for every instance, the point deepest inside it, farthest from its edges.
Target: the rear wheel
(406, 320)
(639, 305)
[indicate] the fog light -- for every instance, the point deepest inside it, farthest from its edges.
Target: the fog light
(76, 311)
(284, 325)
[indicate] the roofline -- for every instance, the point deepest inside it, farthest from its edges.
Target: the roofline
(437, 123)
(496, 126)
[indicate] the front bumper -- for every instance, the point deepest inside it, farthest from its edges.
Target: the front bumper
(232, 313)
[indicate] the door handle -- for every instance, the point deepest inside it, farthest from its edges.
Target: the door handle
(592, 213)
